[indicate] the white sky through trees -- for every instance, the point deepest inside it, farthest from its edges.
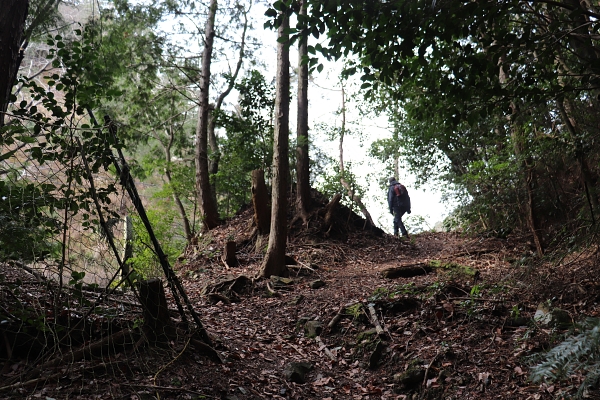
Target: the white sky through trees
(325, 102)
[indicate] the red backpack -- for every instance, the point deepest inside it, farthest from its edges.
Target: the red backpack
(399, 189)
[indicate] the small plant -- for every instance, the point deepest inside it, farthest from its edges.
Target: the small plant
(379, 293)
(475, 291)
(515, 312)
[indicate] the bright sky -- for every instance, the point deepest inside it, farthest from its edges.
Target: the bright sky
(426, 202)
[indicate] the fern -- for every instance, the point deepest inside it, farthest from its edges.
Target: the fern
(576, 354)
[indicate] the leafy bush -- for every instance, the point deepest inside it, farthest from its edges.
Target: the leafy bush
(25, 232)
(145, 262)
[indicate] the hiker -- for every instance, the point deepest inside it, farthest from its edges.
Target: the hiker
(399, 203)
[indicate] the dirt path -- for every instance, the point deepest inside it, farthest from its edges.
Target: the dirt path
(458, 332)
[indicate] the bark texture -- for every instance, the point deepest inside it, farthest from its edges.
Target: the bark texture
(206, 201)
(260, 200)
(302, 158)
(274, 263)
(157, 322)
(12, 24)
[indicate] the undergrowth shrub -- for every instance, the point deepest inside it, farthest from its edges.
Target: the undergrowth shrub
(578, 354)
(145, 262)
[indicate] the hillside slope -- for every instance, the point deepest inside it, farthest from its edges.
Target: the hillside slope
(458, 325)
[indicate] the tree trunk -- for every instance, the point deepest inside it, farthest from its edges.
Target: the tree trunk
(260, 200)
(302, 159)
(524, 165)
(274, 263)
(566, 112)
(157, 322)
(330, 210)
(127, 244)
(206, 201)
(213, 165)
(12, 25)
(527, 170)
(187, 228)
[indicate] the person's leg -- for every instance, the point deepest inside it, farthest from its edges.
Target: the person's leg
(401, 224)
(397, 221)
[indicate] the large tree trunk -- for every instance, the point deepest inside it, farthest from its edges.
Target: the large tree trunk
(12, 25)
(302, 159)
(206, 201)
(274, 263)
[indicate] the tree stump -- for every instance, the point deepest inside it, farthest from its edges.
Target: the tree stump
(157, 322)
(229, 254)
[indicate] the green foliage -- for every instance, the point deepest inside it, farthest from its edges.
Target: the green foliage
(248, 144)
(25, 230)
(52, 135)
(577, 354)
(145, 261)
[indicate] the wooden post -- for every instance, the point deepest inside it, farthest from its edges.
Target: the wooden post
(330, 209)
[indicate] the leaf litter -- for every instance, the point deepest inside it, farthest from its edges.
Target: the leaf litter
(462, 331)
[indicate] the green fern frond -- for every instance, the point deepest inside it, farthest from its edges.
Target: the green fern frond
(578, 354)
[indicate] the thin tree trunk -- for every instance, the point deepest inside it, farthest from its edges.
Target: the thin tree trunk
(584, 170)
(355, 197)
(274, 262)
(206, 201)
(302, 158)
(127, 245)
(12, 25)
(260, 201)
(527, 170)
(524, 165)
(187, 227)
(189, 235)
(213, 165)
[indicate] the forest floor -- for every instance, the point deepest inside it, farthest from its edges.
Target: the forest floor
(463, 328)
